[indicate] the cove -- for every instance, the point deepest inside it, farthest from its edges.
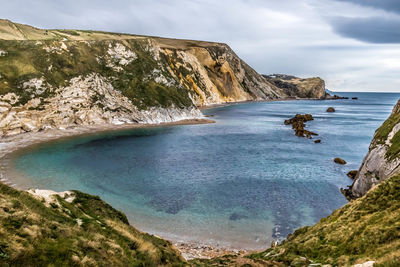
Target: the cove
(241, 182)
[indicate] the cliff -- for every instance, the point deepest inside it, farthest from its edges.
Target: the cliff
(299, 87)
(382, 160)
(62, 78)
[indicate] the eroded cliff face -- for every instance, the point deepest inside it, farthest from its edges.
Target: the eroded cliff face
(62, 78)
(382, 160)
(299, 87)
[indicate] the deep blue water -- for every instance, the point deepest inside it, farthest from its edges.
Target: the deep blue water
(243, 181)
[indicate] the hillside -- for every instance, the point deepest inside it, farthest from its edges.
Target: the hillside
(366, 229)
(62, 78)
(299, 87)
(73, 229)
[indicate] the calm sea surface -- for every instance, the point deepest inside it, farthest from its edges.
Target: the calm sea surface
(241, 182)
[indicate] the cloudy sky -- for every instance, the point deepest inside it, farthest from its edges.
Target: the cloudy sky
(353, 44)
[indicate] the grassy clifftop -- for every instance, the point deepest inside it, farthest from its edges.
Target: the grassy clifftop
(77, 230)
(298, 87)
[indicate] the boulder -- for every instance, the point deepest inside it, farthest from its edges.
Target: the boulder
(317, 141)
(339, 161)
(352, 174)
(330, 109)
(354, 98)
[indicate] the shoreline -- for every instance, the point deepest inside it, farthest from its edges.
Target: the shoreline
(12, 145)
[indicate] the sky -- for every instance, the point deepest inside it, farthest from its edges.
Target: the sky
(354, 45)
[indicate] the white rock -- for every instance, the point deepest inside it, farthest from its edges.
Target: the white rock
(365, 264)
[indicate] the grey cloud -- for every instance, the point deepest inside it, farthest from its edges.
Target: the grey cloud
(286, 36)
(387, 5)
(372, 30)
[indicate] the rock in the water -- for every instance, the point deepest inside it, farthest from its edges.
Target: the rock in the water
(354, 98)
(339, 161)
(352, 174)
(317, 141)
(298, 124)
(331, 109)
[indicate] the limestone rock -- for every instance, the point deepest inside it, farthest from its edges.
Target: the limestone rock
(382, 160)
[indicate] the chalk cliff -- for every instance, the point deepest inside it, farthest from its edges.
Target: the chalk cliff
(62, 78)
(382, 160)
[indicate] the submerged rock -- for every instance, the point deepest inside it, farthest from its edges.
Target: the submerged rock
(235, 216)
(352, 174)
(339, 161)
(298, 124)
(330, 109)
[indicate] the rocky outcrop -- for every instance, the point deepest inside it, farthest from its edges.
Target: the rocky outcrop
(298, 87)
(85, 101)
(352, 174)
(382, 160)
(298, 124)
(62, 78)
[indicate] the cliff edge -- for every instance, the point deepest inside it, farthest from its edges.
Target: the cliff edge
(62, 78)
(382, 160)
(299, 87)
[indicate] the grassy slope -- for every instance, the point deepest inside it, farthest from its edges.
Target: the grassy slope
(26, 60)
(32, 234)
(364, 229)
(382, 133)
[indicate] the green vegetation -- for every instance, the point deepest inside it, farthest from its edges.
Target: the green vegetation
(394, 149)
(85, 232)
(28, 59)
(382, 133)
(365, 229)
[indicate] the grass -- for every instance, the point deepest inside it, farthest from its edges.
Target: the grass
(365, 229)
(26, 60)
(382, 132)
(32, 234)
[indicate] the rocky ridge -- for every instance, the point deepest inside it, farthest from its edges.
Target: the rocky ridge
(382, 160)
(299, 87)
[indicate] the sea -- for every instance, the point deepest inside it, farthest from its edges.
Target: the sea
(239, 183)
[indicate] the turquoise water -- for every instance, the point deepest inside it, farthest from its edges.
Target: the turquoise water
(241, 182)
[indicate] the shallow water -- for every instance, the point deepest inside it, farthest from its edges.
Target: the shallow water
(238, 183)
